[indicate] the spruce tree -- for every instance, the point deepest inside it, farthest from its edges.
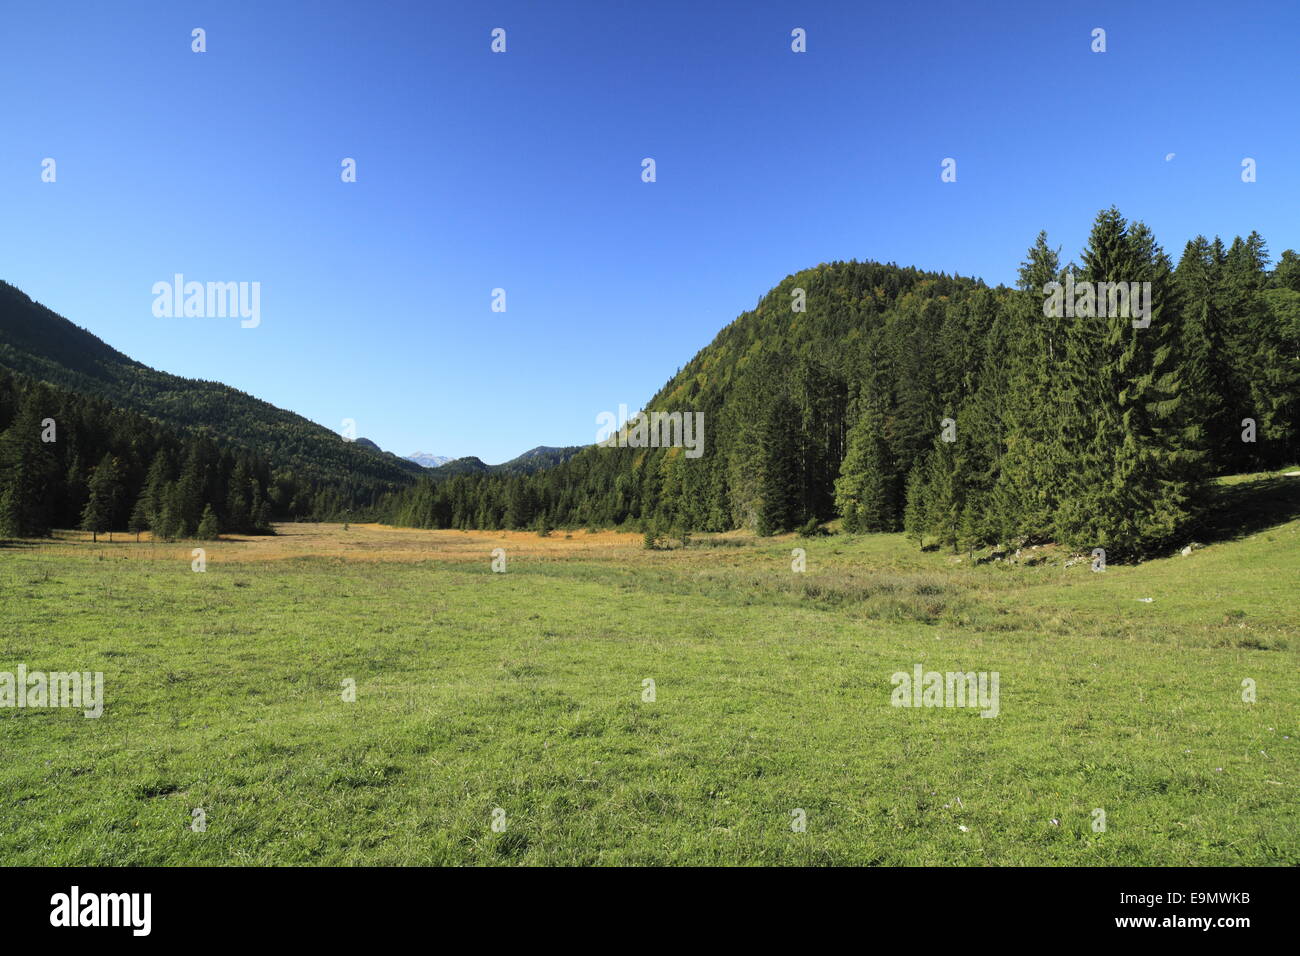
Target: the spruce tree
(169, 525)
(139, 517)
(866, 492)
(1264, 352)
(188, 499)
(780, 498)
(75, 488)
(1213, 395)
(13, 520)
(239, 509)
(155, 489)
(1032, 463)
(29, 472)
(1286, 274)
(208, 529)
(944, 494)
(101, 506)
(916, 517)
(1134, 484)
(262, 517)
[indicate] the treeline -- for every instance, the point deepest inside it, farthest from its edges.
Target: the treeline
(898, 399)
(72, 461)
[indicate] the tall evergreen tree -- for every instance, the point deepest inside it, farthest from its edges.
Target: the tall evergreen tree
(1032, 465)
(1214, 396)
(208, 528)
(945, 498)
(916, 518)
(239, 508)
(101, 507)
(1265, 352)
(29, 471)
(1135, 484)
(867, 490)
(139, 520)
(779, 443)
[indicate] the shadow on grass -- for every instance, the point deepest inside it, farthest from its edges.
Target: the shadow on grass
(1246, 507)
(10, 544)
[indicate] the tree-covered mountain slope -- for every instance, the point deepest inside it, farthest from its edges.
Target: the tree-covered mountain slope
(45, 346)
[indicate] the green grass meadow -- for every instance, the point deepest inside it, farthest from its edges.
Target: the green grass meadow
(523, 691)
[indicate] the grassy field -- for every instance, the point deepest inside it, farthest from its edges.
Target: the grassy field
(481, 692)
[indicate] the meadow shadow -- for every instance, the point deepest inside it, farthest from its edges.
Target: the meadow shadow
(1247, 507)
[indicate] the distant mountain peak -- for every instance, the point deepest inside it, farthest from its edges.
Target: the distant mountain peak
(427, 460)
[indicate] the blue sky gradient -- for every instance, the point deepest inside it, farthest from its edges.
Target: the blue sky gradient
(522, 170)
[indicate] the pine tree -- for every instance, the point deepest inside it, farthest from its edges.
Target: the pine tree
(1134, 484)
(239, 510)
(521, 505)
(780, 498)
(28, 471)
(75, 488)
(262, 517)
(13, 520)
(820, 399)
(168, 525)
(1275, 390)
(1264, 352)
(208, 529)
(916, 517)
(101, 507)
(918, 390)
(866, 492)
(972, 527)
(188, 500)
(944, 494)
(155, 489)
(1032, 463)
(139, 516)
(981, 435)
(1286, 274)
(741, 439)
(1214, 398)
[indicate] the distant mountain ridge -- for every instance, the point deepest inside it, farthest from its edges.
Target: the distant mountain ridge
(533, 460)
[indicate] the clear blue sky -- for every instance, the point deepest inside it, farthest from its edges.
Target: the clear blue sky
(522, 170)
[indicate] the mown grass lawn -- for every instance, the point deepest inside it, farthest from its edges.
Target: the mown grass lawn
(523, 691)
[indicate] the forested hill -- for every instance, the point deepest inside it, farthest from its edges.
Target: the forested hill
(894, 398)
(45, 346)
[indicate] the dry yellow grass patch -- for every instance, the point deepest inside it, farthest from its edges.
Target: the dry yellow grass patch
(360, 542)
